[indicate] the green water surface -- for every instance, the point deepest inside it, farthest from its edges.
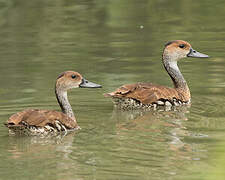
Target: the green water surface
(112, 42)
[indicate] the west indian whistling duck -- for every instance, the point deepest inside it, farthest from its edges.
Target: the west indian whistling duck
(43, 122)
(148, 95)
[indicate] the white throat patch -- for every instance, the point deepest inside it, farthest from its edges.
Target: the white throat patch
(173, 65)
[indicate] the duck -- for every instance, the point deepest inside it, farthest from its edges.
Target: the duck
(149, 95)
(45, 122)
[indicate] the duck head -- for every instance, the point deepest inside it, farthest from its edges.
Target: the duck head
(178, 49)
(70, 79)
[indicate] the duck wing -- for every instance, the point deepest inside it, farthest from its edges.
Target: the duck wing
(146, 93)
(40, 118)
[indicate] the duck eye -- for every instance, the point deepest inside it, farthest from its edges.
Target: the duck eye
(181, 46)
(73, 76)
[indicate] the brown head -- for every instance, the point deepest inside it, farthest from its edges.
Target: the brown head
(177, 49)
(70, 79)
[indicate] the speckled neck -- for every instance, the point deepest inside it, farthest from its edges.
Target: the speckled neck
(175, 74)
(64, 103)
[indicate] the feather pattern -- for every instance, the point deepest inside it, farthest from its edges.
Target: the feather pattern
(41, 118)
(148, 93)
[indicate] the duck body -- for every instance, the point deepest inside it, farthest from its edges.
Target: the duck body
(148, 95)
(40, 122)
(43, 122)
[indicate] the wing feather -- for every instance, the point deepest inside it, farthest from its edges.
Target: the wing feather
(146, 93)
(40, 118)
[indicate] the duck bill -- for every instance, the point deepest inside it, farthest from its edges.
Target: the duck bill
(87, 84)
(194, 53)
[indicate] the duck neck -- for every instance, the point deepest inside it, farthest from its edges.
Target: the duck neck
(64, 103)
(175, 74)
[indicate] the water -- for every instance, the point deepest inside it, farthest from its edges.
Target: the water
(111, 43)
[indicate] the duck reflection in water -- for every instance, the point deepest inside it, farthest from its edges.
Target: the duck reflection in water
(162, 128)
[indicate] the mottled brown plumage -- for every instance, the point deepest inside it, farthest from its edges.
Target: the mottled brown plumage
(42, 122)
(41, 118)
(149, 94)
